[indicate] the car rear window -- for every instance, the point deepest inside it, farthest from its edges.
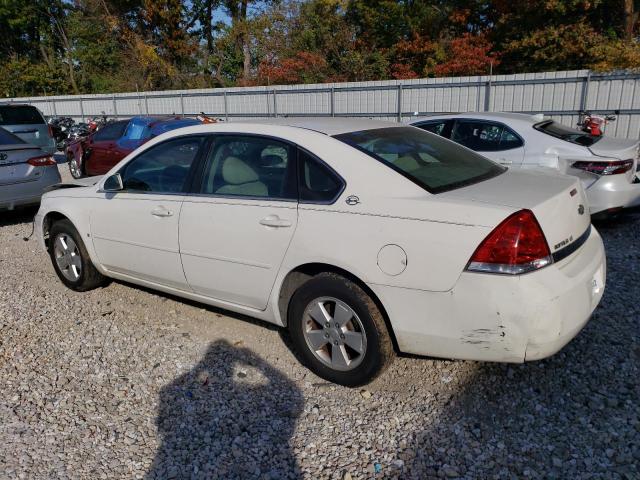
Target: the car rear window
(8, 138)
(19, 115)
(568, 134)
(436, 164)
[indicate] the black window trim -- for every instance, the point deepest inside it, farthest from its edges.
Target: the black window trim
(188, 181)
(343, 183)
(493, 122)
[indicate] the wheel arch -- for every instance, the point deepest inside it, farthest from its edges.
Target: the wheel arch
(296, 277)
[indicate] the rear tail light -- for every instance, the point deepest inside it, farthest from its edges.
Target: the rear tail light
(605, 168)
(50, 129)
(42, 161)
(516, 246)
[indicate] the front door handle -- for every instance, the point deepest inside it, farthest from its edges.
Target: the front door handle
(275, 221)
(161, 212)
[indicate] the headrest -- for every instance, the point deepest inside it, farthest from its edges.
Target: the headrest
(235, 171)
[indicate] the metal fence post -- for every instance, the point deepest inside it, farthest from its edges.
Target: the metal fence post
(275, 103)
(81, 110)
(487, 96)
(115, 108)
(226, 108)
(146, 104)
(53, 105)
(182, 103)
(333, 101)
(585, 91)
(399, 102)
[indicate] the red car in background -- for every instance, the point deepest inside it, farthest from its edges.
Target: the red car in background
(99, 151)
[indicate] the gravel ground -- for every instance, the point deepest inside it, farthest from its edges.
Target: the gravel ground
(125, 383)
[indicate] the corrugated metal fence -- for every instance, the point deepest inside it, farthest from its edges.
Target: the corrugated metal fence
(559, 94)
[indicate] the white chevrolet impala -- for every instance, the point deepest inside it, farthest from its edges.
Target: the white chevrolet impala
(360, 237)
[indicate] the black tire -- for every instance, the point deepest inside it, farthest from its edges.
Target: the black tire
(378, 353)
(78, 172)
(89, 277)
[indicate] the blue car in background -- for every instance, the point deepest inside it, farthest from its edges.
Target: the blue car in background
(97, 153)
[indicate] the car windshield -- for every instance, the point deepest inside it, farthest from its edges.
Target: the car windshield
(434, 163)
(19, 115)
(568, 134)
(8, 138)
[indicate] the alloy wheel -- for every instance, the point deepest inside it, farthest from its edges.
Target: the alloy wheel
(67, 255)
(334, 333)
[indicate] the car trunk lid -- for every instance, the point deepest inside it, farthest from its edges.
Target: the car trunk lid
(618, 148)
(13, 164)
(558, 201)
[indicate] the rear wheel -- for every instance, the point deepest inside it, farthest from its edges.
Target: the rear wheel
(74, 168)
(70, 258)
(339, 331)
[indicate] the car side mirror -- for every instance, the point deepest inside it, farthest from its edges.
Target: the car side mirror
(113, 183)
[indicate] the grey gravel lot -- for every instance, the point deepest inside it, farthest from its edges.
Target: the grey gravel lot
(125, 383)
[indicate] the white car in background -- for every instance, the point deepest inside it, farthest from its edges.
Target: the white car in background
(605, 165)
(358, 236)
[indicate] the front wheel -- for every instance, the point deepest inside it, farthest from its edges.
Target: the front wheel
(339, 331)
(70, 258)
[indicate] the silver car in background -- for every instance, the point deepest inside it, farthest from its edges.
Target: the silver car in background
(25, 172)
(605, 165)
(27, 122)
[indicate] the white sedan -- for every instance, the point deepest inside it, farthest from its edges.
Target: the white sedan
(607, 166)
(361, 237)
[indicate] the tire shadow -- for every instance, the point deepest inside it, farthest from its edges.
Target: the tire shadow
(231, 416)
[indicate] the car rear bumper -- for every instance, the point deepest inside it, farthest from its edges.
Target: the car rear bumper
(613, 192)
(28, 193)
(501, 318)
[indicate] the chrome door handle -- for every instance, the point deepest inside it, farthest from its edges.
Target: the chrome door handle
(275, 221)
(161, 212)
(504, 161)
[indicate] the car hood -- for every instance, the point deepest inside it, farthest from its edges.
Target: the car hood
(80, 182)
(620, 148)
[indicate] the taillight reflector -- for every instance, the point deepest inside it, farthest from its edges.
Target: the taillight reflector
(42, 161)
(516, 246)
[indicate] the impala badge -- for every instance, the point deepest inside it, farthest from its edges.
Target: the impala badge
(581, 209)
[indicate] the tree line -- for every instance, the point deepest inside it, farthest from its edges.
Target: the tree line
(102, 46)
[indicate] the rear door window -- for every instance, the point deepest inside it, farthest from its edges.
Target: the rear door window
(20, 115)
(483, 136)
(250, 166)
(111, 131)
(439, 127)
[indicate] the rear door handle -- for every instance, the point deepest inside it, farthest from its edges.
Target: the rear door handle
(275, 221)
(161, 212)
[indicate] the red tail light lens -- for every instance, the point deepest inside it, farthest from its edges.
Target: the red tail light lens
(605, 168)
(42, 161)
(516, 246)
(50, 129)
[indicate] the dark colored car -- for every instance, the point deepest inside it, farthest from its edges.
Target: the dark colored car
(97, 153)
(27, 123)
